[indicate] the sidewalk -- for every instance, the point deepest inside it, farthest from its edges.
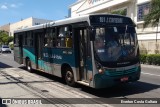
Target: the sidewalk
(150, 66)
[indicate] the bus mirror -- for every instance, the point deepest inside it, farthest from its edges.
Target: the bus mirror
(92, 34)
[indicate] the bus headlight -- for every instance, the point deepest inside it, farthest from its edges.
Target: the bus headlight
(101, 71)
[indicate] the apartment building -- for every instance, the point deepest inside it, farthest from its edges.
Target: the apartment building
(25, 23)
(149, 38)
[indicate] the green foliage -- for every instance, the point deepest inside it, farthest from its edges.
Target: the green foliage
(120, 12)
(11, 46)
(154, 15)
(5, 38)
(10, 39)
(143, 58)
(150, 59)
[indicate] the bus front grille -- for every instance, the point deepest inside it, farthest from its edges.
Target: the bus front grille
(118, 73)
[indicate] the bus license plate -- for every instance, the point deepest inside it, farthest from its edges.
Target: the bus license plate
(124, 79)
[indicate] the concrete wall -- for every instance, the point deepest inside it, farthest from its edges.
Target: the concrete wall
(20, 25)
(93, 6)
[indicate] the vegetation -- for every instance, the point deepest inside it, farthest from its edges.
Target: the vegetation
(5, 38)
(120, 12)
(153, 59)
(154, 14)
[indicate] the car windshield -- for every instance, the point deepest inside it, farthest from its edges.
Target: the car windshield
(115, 43)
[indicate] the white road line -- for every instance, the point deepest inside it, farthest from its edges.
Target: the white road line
(150, 74)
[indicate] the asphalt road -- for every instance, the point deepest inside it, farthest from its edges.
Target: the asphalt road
(40, 85)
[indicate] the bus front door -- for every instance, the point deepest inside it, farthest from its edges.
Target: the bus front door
(81, 37)
(21, 48)
(38, 51)
(18, 49)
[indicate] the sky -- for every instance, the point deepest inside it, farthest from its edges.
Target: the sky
(12, 11)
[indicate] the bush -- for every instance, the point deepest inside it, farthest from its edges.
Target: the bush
(12, 46)
(150, 59)
(156, 59)
(143, 58)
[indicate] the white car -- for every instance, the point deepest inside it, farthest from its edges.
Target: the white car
(5, 48)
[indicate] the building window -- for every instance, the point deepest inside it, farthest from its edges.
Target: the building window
(143, 10)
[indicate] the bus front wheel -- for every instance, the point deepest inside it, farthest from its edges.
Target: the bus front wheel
(28, 65)
(69, 77)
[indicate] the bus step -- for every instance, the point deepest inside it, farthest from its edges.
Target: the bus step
(83, 83)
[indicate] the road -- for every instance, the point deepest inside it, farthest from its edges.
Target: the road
(18, 83)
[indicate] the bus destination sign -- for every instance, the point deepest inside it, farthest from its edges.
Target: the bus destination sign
(110, 19)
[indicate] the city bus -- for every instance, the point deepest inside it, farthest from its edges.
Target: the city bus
(96, 50)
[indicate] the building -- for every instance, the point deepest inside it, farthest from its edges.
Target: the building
(25, 23)
(149, 38)
(5, 27)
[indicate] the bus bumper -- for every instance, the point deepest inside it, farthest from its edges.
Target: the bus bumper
(105, 81)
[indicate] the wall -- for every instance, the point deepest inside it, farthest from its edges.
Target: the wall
(93, 6)
(21, 24)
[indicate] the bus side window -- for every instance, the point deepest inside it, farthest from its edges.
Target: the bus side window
(64, 37)
(53, 37)
(49, 39)
(60, 38)
(45, 40)
(68, 40)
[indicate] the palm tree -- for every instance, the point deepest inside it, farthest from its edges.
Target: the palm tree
(154, 15)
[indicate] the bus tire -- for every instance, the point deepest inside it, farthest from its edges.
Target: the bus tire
(69, 77)
(28, 65)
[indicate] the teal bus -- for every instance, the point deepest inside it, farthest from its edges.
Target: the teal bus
(96, 50)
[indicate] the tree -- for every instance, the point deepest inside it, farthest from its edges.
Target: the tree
(10, 39)
(154, 14)
(5, 38)
(120, 12)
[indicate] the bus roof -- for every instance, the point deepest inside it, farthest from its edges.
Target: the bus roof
(56, 23)
(83, 18)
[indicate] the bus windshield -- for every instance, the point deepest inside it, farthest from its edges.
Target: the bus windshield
(115, 43)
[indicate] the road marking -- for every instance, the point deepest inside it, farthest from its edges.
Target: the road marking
(150, 74)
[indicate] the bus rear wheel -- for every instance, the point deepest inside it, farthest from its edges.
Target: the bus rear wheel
(69, 77)
(28, 65)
